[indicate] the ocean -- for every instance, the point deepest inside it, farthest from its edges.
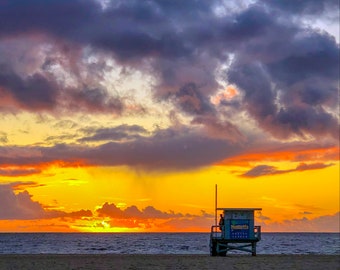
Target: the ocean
(159, 243)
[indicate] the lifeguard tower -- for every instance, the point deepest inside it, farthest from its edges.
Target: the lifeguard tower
(235, 231)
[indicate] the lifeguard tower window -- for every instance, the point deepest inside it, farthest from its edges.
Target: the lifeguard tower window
(237, 232)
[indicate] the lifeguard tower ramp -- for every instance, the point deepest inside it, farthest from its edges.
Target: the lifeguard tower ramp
(236, 231)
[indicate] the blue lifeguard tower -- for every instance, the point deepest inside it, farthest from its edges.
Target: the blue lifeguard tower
(235, 231)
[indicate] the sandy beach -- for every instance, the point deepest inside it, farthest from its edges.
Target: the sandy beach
(110, 261)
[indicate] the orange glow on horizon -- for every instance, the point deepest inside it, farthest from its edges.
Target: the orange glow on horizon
(320, 154)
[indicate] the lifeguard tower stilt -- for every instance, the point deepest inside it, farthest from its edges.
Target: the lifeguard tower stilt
(236, 231)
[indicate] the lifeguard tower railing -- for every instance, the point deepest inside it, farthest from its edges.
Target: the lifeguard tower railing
(236, 231)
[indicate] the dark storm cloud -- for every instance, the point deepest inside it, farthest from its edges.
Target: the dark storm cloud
(289, 93)
(303, 105)
(34, 92)
(119, 133)
(159, 153)
(263, 170)
(192, 101)
(40, 93)
(313, 166)
(94, 100)
(287, 72)
(259, 96)
(56, 17)
(219, 129)
(128, 28)
(309, 55)
(289, 79)
(298, 7)
(164, 150)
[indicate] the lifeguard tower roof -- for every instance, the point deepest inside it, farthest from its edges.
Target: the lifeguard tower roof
(239, 209)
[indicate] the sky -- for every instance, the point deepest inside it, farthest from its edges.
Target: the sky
(122, 116)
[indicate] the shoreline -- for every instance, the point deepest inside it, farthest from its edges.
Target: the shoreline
(140, 261)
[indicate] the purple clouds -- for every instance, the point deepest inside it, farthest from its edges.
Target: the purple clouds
(21, 206)
(59, 57)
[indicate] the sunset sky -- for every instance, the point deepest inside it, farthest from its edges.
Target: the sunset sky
(121, 116)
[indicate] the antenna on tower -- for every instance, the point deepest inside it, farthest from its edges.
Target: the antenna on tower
(215, 204)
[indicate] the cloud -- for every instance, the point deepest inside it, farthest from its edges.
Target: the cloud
(169, 149)
(306, 213)
(36, 91)
(21, 206)
(21, 186)
(14, 172)
(289, 103)
(18, 206)
(65, 124)
(62, 61)
(276, 152)
(3, 138)
(192, 101)
(262, 170)
(39, 93)
(312, 7)
(118, 133)
(95, 100)
(132, 212)
(219, 129)
(327, 223)
(191, 42)
(313, 166)
(152, 218)
(77, 214)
